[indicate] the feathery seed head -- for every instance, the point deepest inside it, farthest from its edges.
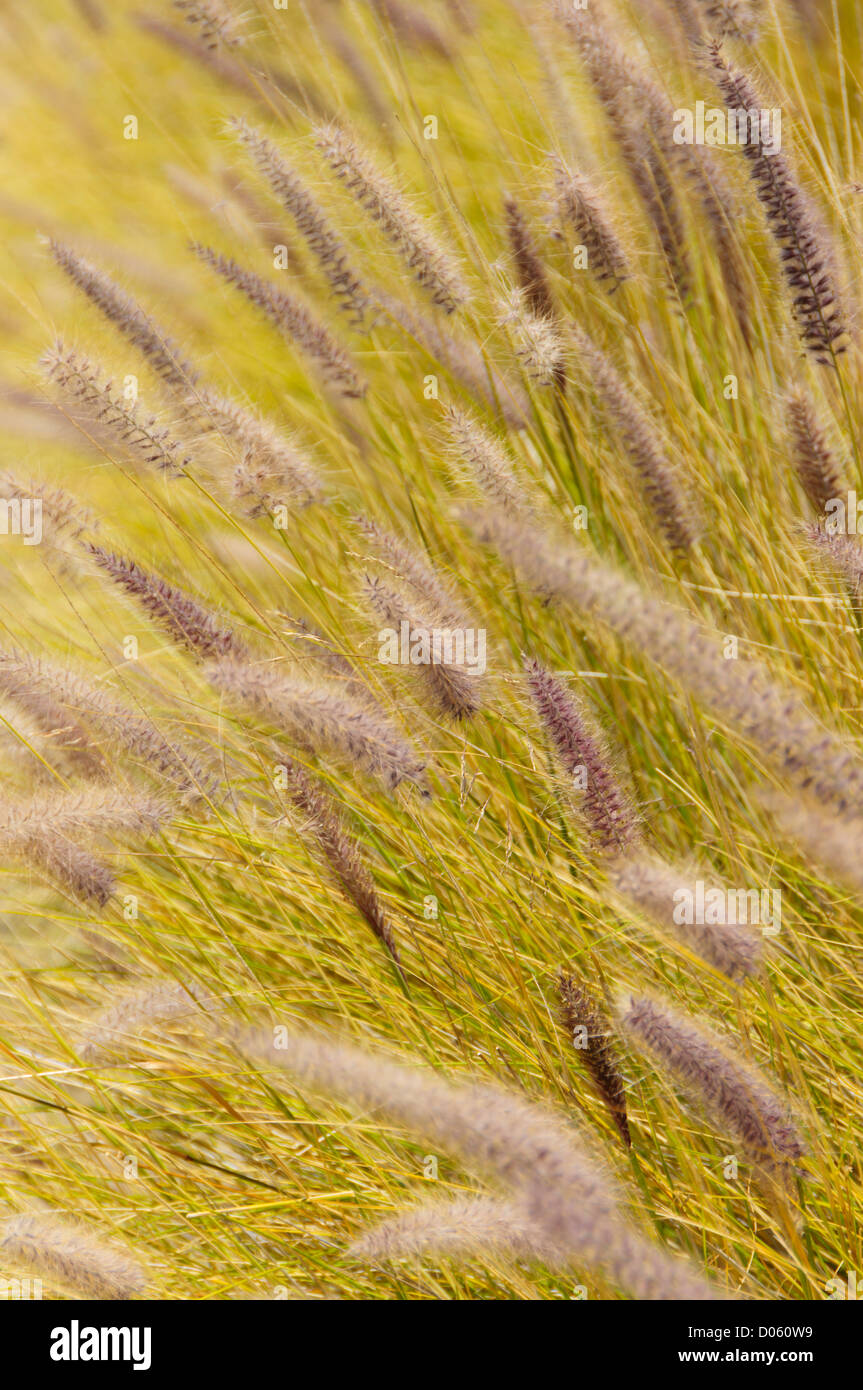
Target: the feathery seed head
(644, 447)
(461, 356)
(583, 759)
(70, 1254)
(323, 718)
(113, 1035)
(62, 518)
(590, 1032)
(579, 207)
(217, 27)
(450, 683)
(71, 708)
(432, 267)
(93, 398)
(293, 320)
(541, 1160)
(530, 271)
(640, 117)
(655, 887)
(322, 822)
(841, 554)
(414, 28)
(537, 340)
(273, 469)
(324, 243)
(42, 832)
(805, 253)
(733, 1094)
(475, 448)
(836, 842)
(466, 1227)
(185, 620)
(816, 467)
(126, 315)
(411, 566)
(769, 717)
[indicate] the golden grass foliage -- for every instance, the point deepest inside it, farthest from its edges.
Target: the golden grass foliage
(351, 317)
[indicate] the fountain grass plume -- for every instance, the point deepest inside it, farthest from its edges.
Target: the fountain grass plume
(185, 620)
(840, 554)
(615, 830)
(738, 1101)
(584, 760)
(529, 269)
(814, 461)
(833, 842)
(322, 718)
(655, 887)
(297, 324)
(579, 207)
(321, 824)
(525, 1147)
(463, 358)
(72, 1255)
(127, 316)
(639, 116)
(452, 689)
(589, 1030)
(806, 256)
(71, 708)
(481, 455)
(432, 267)
(63, 519)
(273, 467)
(772, 718)
(411, 566)
(113, 1035)
(463, 1229)
(662, 487)
(44, 831)
(320, 237)
(215, 24)
(537, 340)
(94, 809)
(414, 28)
(82, 384)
